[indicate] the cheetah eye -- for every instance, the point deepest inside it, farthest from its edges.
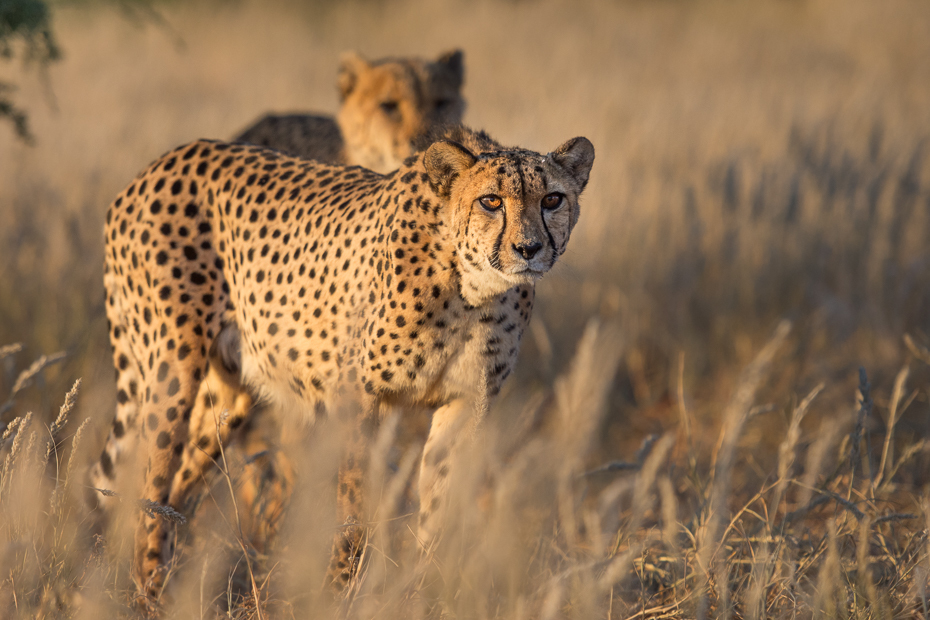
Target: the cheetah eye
(389, 107)
(552, 201)
(442, 103)
(491, 202)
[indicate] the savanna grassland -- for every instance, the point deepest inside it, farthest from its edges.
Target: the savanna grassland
(722, 408)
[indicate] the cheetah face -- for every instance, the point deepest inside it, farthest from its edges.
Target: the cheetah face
(510, 212)
(388, 104)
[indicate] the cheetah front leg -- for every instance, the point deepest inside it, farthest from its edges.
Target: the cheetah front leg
(350, 501)
(451, 424)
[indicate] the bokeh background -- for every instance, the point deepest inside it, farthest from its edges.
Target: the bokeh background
(755, 162)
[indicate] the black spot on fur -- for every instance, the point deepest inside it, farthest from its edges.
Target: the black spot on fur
(106, 464)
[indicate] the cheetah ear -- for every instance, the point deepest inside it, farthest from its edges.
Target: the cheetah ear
(576, 156)
(445, 161)
(351, 65)
(454, 62)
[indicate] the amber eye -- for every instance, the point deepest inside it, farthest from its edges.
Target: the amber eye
(389, 107)
(491, 203)
(552, 201)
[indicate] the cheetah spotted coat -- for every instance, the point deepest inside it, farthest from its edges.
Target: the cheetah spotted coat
(343, 287)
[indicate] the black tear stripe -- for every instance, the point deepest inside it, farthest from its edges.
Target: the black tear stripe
(556, 252)
(496, 251)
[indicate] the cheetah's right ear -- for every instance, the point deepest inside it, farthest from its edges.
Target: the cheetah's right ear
(454, 62)
(351, 65)
(445, 160)
(576, 156)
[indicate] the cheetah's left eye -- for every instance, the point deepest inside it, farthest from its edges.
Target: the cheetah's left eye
(389, 107)
(552, 201)
(491, 202)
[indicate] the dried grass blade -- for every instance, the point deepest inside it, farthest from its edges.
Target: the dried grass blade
(888, 449)
(10, 349)
(917, 350)
(8, 463)
(26, 376)
(786, 451)
(62, 419)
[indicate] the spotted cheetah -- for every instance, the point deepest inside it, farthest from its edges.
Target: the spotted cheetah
(386, 105)
(343, 289)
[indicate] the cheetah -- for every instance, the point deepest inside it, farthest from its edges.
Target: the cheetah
(337, 289)
(386, 105)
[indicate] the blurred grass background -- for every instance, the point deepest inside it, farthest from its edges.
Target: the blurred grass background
(755, 161)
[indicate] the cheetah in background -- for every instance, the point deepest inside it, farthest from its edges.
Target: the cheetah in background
(386, 105)
(346, 290)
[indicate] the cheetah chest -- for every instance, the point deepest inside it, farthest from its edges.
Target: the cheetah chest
(461, 351)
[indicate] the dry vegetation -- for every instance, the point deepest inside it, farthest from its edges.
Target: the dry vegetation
(689, 433)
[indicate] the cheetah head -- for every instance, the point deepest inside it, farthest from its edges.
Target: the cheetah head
(510, 212)
(390, 103)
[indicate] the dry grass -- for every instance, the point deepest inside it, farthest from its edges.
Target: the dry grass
(668, 448)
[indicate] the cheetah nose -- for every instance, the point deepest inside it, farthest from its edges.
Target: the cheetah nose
(527, 250)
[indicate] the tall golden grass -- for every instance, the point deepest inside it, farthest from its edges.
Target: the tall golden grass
(670, 446)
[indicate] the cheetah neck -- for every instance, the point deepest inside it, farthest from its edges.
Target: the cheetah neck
(480, 287)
